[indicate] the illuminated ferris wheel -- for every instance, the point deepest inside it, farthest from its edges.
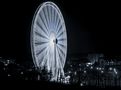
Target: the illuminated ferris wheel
(49, 39)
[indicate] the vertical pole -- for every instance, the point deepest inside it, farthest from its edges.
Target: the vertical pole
(55, 60)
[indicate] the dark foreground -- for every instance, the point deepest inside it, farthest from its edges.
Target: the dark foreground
(45, 85)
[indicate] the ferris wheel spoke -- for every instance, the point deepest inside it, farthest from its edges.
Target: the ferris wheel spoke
(61, 45)
(63, 36)
(62, 39)
(43, 23)
(43, 63)
(49, 61)
(42, 28)
(40, 60)
(50, 58)
(60, 56)
(49, 12)
(40, 43)
(46, 18)
(61, 64)
(43, 18)
(57, 24)
(40, 47)
(40, 35)
(54, 16)
(48, 53)
(49, 16)
(62, 31)
(57, 56)
(56, 20)
(61, 50)
(38, 29)
(37, 38)
(42, 57)
(60, 27)
(39, 52)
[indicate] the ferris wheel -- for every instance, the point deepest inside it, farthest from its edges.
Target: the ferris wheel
(49, 39)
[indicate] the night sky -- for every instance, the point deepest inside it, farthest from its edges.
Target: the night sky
(92, 27)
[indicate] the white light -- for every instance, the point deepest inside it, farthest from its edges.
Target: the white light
(87, 65)
(8, 61)
(9, 75)
(75, 73)
(91, 67)
(81, 84)
(84, 71)
(102, 71)
(97, 68)
(52, 39)
(110, 68)
(21, 72)
(69, 71)
(115, 71)
(5, 64)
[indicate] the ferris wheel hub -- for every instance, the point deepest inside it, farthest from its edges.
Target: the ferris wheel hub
(55, 41)
(52, 39)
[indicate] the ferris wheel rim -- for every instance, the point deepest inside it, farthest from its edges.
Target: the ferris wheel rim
(40, 7)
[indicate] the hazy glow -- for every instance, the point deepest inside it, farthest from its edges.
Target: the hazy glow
(52, 40)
